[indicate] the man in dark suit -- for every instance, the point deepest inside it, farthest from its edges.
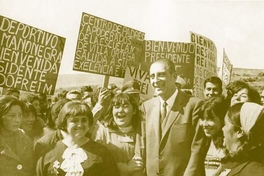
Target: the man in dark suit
(174, 140)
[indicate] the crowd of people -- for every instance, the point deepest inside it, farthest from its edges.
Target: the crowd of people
(112, 131)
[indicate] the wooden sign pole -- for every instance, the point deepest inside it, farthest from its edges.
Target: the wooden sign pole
(106, 81)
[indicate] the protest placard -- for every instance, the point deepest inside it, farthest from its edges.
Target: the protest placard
(105, 47)
(30, 58)
(205, 64)
(226, 69)
(142, 77)
(181, 54)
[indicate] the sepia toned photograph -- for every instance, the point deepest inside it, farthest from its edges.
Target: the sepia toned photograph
(131, 88)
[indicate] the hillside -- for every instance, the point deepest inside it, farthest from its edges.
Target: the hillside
(82, 79)
(254, 77)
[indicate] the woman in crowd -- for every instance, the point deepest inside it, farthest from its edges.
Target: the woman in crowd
(31, 124)
(119, 131)
(213, 113)
(52, 115)
(43, 103)
(16, 148)
(244, 139)
(76, 154)
(34, 100)
(239, 91)
(51, 134)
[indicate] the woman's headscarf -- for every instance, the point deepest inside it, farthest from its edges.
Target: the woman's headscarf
(249, 115)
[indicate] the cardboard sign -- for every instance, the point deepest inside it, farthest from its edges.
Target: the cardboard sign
(226, 70)
(205, 64)
(181, 54)
(104, 47)
(142, 77)
(30, 58)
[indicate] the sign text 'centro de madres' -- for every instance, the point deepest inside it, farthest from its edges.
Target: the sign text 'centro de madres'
(105, 47)
(30, 58)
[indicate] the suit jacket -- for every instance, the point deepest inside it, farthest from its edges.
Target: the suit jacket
(179, 150)
(244, 169)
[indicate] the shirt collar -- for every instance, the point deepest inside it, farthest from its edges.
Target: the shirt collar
(171, 100)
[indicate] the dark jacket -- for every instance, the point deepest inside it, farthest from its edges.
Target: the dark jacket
(45, 147)
(249, 168)
(19, 163)
(99, 162)
(46, 143)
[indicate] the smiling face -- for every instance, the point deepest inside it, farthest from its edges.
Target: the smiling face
(28, 121)
(12, 119)
(123, 114)
(211, 124)
(78, 126)
(211, 90)
(162, 80)
(240, 96)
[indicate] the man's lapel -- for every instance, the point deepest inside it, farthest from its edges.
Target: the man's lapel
(174, 113)
(154, 118)
(235, 170)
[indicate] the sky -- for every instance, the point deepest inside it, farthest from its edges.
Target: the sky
(236, 26)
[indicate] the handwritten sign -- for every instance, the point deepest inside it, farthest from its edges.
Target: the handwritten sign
(29, 57)
(181, 54)
(226, 69)
(205, 61)
(142, 77)
(104, 47)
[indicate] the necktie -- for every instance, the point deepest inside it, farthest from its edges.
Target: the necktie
(163, 111)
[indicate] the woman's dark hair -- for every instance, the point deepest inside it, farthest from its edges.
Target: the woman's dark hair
(235, 86)
(38, 125)
(54, 111)
(215, 106)
(30, 108)
(6, 102)
(32, 97)
(71, 109)
(121, 98)
(252, 143)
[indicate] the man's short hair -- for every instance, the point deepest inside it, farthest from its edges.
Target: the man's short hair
(167, 63)
(214, 80)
